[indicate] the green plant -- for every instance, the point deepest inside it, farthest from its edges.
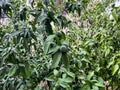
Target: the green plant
(36, 56)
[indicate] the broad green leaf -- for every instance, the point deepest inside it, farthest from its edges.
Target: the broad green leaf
(97, 69)
(63, 69)
(56, 59)
(118, 62)
(99, 85)
(65, 60)
(64, 75)
(94, 81)
(119, 74)
(27, 72)
(63, 35)
(12, 71)
(71, 74)
(107, 52)
(81, 77)
(95, 87)
(21, 65)
(115, 68)
(83, 52)
(15, 33)
(38, 88)
(115, 16)
(86, 87)
(50, 38)
(85, 60)
(110, 63)
(68, 80)
(64, 85)
(90, 75)
(100, 79)
(50, 78)
(46, 47)
(53, 50)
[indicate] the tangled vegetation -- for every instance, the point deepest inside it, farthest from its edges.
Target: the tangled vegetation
(73, 45)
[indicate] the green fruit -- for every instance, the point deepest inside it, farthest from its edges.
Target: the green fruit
(63, 48)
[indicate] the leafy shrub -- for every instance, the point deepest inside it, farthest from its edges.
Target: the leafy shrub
(36, 56)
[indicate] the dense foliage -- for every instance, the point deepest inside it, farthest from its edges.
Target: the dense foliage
(73, 45)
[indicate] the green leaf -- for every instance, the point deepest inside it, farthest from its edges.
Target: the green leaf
(56, 59)
(71, 74)
(119, 74)
(46, 47)
(53, 50)
(27, 71)
(115, 68)
(64, 85)
(63, 35)
(50, 38)
(65, 60)
(100, 79)
(12, 71)
(97, 69)
(115, 16)
(86, 87)
(99, 85)
(90, 74)
(95, 87)
(50, 78)
(110, 63)
(15, 33)
(68, 80)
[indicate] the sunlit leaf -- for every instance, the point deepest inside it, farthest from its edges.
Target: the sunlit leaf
(115, 68)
